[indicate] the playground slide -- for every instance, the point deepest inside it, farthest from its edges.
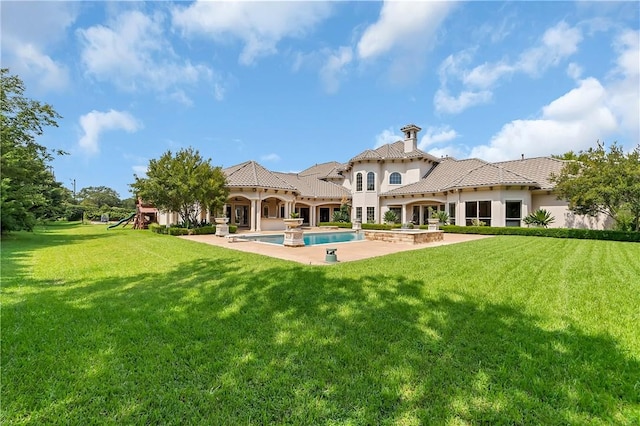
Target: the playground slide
(126, 219)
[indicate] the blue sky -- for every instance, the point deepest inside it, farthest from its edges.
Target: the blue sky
(297, 83)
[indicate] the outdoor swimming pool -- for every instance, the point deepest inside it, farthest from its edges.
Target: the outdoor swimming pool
(311, 239)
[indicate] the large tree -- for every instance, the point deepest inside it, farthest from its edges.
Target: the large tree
(598, 181)
(29, 190)
(184, 183)
(99, 196)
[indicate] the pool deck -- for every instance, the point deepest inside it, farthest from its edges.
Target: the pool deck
(315, 255)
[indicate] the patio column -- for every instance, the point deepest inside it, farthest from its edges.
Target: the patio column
(312, 219)
(252, 214)
(259, 214)
(421, 220)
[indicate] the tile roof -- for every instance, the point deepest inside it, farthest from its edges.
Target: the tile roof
(441, 177)
(538, 169)
(451, 174)
(324, 171)
(311, 186)
(489, 174)
(252, 174)
(391, 151)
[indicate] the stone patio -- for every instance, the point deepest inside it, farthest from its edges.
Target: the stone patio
(315, 255)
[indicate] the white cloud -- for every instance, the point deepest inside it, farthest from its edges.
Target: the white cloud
(574, 71)
(556, 44)
(97, 122)
(572, 122)
(589, 112)
(447, 151)
(28, 29)
(140, 171)
(434, 135)
(404, 25)
(333, 69)
(484, 76)
(132, 53)
(624, 86)
(444, 102)
(258, 25)
(30, 63)
(270, 158)
(387, 136)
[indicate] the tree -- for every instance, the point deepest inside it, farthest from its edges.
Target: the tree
(28, 188)
(99, 196)
(186, 184)
(600, 182)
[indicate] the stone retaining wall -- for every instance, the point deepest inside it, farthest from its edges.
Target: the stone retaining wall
(406, 237)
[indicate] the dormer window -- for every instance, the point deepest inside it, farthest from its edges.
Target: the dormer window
(395, 178)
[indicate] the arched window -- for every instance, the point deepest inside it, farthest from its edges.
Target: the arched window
(359, 182)
(395, 178)
(371, 181)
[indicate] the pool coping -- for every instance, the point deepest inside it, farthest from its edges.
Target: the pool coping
(315, 255)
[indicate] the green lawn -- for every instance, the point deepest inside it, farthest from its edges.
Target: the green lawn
(130, 327)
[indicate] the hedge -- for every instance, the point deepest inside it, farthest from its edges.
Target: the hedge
(338, 224)
(115, 213)
(380, 226)
(585, 234)
(174, 230)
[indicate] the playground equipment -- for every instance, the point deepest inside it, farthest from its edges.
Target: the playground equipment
(126, 221)
(145, 214)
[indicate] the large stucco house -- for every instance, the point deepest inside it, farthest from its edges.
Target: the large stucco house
(398, 177)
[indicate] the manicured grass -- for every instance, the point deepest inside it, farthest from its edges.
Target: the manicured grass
(130, 327)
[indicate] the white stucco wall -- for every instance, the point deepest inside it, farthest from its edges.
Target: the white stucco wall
(564, 218)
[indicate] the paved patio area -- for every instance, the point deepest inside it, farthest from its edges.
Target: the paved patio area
(315, 255)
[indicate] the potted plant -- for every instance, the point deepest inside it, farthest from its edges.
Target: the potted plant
(294, 220)
(222, 227)
(432, 220)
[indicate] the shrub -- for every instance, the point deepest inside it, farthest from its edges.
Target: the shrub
(587, 234)
(540, 217)
(390, 217)
(179, 230)
(338, 224)
(380, 226)
(442, 216)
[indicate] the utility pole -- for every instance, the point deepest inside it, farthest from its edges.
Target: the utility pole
(74, 189)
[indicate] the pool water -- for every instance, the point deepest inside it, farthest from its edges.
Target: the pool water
(312, 239)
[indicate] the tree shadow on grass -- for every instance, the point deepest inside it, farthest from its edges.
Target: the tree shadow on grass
(241, 343)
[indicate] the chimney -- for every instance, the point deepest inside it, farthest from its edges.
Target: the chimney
(410, 137)
(522, 156)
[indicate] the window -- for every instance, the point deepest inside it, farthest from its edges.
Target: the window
(371, 181)
(452, 213)
(477, 211)
(395, 178)
(371, 214)
(359, 182)
(513, 213)
(359, 213)
(265, 211)
(282, 211)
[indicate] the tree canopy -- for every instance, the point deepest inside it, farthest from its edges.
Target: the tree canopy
(184, 183)
(29, 190)
(598, 181)
(99, 196)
